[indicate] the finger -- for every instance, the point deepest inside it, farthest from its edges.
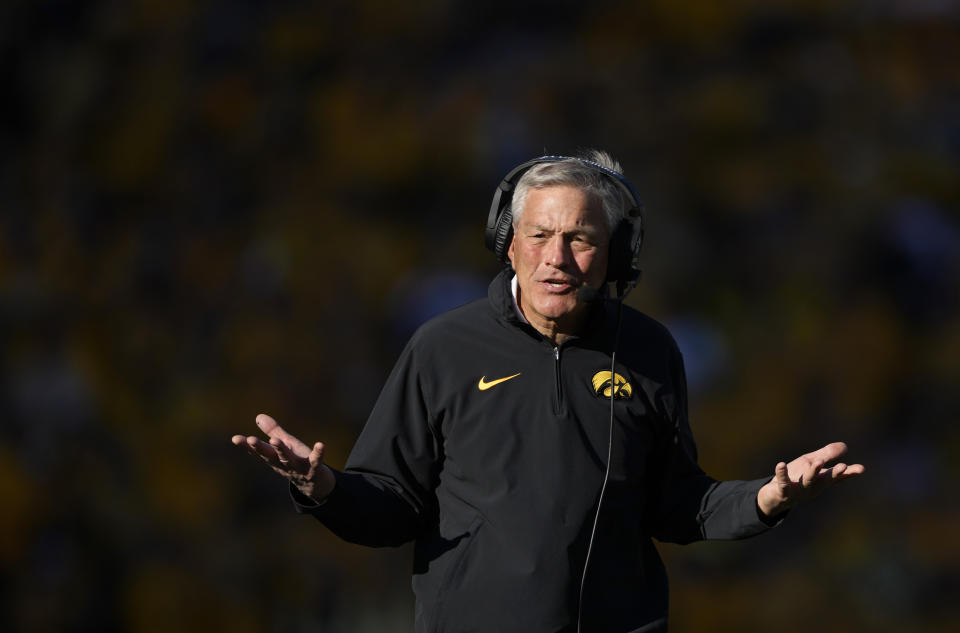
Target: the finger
(852, 471)
(283, 454)
(264, 450)
(837, 471)
(809, 475)
(289, 459)
(269, 426)
(241, 441)
(830, 452)
(266, 423)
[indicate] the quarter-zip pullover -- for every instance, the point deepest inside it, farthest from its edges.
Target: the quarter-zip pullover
(488, 447)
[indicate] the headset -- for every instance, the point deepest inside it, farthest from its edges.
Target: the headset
(625, 242)
(622, 269)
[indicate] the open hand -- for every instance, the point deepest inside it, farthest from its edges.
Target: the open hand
(804, 478)
(290, 457)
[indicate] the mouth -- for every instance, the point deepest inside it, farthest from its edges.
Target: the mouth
(559, 285)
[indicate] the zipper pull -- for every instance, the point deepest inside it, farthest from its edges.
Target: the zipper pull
(556, 353)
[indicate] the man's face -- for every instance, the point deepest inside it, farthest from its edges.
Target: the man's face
(560, 244)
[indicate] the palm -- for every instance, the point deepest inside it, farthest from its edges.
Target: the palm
(805, 477)
(285, 454)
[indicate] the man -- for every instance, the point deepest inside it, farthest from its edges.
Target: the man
(530, 467)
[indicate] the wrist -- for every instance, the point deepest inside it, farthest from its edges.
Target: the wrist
(769, 500)
(319, 486)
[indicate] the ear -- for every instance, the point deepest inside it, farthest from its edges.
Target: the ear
(510, 249)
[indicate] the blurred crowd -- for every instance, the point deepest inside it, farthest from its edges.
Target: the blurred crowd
(212, 210)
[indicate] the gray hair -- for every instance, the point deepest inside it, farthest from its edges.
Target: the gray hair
(576, 174)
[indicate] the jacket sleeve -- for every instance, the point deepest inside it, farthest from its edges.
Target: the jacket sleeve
(688, 504)
(385, 495)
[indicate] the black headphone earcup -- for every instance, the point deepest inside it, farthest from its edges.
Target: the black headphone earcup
(620, 257)
(503, 233)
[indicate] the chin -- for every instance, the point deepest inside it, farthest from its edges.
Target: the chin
(556, 309)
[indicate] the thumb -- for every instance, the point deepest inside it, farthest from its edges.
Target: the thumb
(780, 474)
(316, 456)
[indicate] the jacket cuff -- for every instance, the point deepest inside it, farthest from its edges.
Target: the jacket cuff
(751, 513)
(307, 505)
(771, 522)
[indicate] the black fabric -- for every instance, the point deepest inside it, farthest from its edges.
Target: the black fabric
(498, 487)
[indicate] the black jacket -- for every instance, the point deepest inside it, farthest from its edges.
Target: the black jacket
(499, 486)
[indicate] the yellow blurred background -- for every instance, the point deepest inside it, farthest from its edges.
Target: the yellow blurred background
(212, 210)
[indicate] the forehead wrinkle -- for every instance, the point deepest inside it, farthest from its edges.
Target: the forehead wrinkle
(580, 228)
(563, 208)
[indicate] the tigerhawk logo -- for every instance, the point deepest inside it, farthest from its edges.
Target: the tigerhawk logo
(601, 385)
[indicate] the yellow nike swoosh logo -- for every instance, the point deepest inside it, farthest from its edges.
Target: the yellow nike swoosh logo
(483, 385)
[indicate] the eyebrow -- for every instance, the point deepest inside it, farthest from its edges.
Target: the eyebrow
(588, 231)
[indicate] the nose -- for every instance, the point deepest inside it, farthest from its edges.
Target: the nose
(558, 253)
